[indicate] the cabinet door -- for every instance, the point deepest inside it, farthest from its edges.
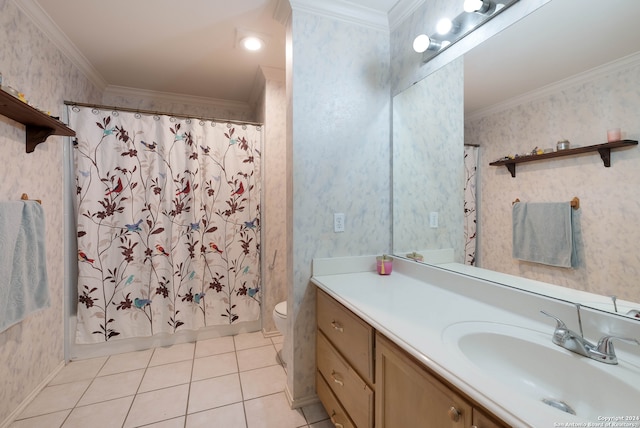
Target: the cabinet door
(481, 420)
(408, 396)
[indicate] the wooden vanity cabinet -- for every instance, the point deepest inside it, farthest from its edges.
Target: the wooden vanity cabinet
(344, 356)
(364, 380)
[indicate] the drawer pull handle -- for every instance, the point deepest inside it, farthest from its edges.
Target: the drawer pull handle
(454, 414)
(333, 420)
(337, 326)
(335, 379)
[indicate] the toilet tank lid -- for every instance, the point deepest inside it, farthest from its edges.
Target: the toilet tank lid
(281, 308)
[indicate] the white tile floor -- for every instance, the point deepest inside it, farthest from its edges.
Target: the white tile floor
(230, 382)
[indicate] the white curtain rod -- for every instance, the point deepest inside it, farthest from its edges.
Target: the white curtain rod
(151, 112)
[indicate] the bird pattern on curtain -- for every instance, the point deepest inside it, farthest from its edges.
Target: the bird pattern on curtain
(470, 215)
(168, 223)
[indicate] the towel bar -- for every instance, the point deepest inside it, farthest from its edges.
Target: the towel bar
(25, 197)
(575, 202)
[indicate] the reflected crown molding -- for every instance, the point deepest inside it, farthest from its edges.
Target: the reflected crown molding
(545, 91)
(43, 21)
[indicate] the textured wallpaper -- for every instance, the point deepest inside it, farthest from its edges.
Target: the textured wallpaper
(341, 163)
(32, 349)
(609, 261)
(428, 165)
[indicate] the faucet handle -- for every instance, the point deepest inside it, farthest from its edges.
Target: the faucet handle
(605, 345)
(633, 313)
(559, 323)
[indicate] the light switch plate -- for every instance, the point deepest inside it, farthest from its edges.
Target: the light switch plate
(433, 219)
(338, 222)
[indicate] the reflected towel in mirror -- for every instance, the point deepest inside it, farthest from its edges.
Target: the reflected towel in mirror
(543, 233)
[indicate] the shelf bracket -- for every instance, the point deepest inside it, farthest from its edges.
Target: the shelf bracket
(605, 155)
(36, 135)
(512, 169)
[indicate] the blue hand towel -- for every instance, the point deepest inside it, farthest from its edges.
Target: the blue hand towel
(543, 233)
(23, 271)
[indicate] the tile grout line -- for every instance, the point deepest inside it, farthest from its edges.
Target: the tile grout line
(146, 367)
(83, 393)
(193, 363)
(244, 408)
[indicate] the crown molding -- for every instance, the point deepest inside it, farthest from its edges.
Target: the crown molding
(343, 10)
(42, 21)
(273, 73)
(123, 91)
(282, 12)
(596, 73)
(264, 75)
(401, 11)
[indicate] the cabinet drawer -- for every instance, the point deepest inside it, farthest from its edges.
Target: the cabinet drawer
(353, 393)
(335, 411)
(352, 337)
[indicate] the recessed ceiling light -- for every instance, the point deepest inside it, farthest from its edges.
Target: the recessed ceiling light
(252, 43)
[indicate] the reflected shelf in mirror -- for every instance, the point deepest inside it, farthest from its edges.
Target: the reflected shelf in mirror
(604, 150)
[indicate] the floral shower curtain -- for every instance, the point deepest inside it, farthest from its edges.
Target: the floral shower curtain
(168, 223)
(470, 220)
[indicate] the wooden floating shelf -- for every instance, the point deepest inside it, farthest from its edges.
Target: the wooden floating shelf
(39, 126)
(603, 149)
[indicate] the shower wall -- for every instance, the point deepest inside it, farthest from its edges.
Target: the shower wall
(271, 110)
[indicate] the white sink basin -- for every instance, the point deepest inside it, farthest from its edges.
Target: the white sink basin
(529, 364)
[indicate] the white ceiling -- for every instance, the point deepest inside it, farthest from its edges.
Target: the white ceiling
(180, 47)
(561, 39)
(186, 47)
(189, 47)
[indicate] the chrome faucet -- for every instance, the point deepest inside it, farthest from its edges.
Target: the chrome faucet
(603, 351)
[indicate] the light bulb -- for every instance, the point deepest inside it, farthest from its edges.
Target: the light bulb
(252, 43)
(421, 43)
(444, 26)
(472, 5)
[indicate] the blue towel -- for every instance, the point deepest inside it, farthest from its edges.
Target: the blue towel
(23, 271)
(543, 233)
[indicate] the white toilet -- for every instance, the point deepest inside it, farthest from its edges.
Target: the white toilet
(280, 317)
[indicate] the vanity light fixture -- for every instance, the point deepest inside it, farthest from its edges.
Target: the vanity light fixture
(449, 31)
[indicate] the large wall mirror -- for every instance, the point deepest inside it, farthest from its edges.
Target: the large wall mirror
(569, 70)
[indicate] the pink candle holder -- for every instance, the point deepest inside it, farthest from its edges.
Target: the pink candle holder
(384, 265)
(614, 135)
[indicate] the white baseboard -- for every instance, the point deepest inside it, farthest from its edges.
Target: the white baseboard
(272, 333)
(300, 402)
(29, 398)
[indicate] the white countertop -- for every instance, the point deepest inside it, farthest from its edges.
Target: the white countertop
(416, 303)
